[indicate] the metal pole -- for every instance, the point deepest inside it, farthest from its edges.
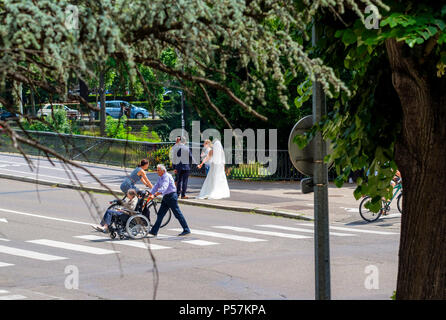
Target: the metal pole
(102, 113)
(182, 114)
(320, 179)
(182, 101)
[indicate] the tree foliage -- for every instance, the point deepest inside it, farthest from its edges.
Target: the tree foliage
(366, 125)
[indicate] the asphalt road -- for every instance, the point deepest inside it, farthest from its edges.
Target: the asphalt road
(46, 240)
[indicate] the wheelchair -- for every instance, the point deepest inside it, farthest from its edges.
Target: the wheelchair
(135, 223)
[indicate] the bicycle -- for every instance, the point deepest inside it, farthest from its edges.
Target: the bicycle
(136, 223)
(371, 216)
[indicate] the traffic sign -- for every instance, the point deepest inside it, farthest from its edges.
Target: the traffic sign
(302, 159)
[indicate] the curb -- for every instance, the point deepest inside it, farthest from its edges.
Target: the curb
(185, 202)
(246, 209)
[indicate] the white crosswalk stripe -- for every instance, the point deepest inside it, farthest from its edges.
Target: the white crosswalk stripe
(72, 247)
(268, 233)
(130, 243)
(195, 242)
(222, 235)
(351, 229)
(29, 254)
(303, 230)
(4, 264)
(198, 242)
(13, 297)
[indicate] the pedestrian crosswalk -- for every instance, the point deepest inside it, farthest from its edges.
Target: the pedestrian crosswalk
(48, 250)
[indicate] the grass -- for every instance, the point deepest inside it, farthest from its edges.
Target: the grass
(151, 136)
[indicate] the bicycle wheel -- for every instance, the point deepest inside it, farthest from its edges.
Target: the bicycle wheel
(399, 203)
(153, 214)
(366, 214)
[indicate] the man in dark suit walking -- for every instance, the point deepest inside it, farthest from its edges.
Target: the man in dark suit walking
(182, 167)
(173, 157)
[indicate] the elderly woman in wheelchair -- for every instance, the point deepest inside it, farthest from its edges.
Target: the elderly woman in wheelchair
(119, 208)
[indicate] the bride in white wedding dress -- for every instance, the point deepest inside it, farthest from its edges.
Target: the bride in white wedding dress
(215, 186)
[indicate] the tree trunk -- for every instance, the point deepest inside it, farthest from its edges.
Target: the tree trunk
(83, 92)
(33, 103)
(420, 154)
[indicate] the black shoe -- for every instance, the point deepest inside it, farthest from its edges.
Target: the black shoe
(184, 233)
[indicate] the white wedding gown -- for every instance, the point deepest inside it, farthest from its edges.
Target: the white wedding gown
(216, 185)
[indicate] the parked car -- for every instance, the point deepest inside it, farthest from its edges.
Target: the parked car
(46, 111)
(6, 115)
(116, 108)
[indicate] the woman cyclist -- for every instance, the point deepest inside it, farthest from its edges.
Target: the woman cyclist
(396, 179)
(138, 174)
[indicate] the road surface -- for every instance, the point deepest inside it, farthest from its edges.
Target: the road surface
(48, 250)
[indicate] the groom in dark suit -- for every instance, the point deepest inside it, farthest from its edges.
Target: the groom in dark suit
(182, 167)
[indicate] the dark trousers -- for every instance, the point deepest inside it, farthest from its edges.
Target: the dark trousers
(183, 177)
(107, 219)
(169, 201)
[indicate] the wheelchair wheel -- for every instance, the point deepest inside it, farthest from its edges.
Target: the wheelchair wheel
(367, 214)
(112, 235)
(137, 226)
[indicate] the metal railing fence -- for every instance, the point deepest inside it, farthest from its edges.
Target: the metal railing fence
(125, 153)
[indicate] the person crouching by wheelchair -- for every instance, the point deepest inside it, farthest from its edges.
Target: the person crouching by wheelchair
(129, 202)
